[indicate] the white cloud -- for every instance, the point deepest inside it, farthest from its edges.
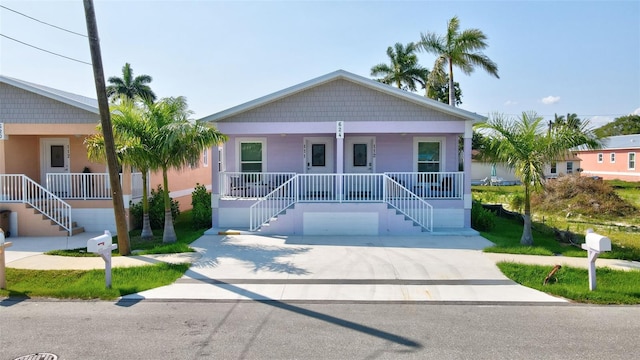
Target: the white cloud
(510, 102)
(598, 121)
(636, 112)
(550, 100)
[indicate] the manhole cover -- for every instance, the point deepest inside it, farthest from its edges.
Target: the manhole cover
(39, 356)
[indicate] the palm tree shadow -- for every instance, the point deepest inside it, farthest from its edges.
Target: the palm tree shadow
(261, 258)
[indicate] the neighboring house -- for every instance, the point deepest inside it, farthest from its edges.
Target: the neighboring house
(486, 173)
(616, 160)
(342, 154)
(46, 179)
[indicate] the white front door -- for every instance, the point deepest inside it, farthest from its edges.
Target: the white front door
(318, 155)
(55, 160)
(359, 154)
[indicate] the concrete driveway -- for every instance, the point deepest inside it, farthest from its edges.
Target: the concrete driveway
(344, 268)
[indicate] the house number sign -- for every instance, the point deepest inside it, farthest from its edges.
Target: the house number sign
(339, 129)
(1, 131)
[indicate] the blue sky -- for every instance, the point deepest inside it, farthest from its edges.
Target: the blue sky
(553, 56)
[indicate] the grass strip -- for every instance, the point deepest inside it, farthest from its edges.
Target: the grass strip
(89, 284)
(612, 286)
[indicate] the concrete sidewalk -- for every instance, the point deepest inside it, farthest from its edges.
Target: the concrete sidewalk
(326, 268)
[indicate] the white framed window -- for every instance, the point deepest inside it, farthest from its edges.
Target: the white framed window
(632, 161)
(612, 158)
(429, 154)
(554, 168)
(205, 158)
(600, 158)
(251, 154)
(569, 167)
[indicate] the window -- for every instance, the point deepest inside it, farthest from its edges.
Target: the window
(632, 161)
(251, 155)
(428, 156)
(57, 156)
(554, 168)
(318, 155)
(205, 158)
(569, 167)
(359, 154)
(612, 158)
(600, 157)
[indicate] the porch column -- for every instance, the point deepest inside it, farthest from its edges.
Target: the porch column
(215, 186)
(468, 135)
(339, 156)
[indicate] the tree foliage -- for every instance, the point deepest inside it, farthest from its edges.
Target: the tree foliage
(624, 125)
(129, 86)
(527, 146)
(456, 48)
(403, 71)
(440, 92)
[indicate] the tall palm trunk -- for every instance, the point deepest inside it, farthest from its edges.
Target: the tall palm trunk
(147, 233)
(169, 235)
(527, 236)
(452, 91)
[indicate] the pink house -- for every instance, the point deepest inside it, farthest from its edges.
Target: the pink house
(46, 180)
(343, 154)
(616, 160)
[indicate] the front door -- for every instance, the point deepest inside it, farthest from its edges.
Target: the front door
(318, 160)
(359, 160)
(55, 160)
(359, 155)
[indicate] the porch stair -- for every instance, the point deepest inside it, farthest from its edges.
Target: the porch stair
(42, 225)
(285, 222)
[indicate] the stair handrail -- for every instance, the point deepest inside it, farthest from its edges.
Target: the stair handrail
(47, 203)
(408, 203)
(273, 204)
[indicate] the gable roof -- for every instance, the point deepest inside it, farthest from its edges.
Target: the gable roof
(345, 75)
(75, 100)
(622, 142)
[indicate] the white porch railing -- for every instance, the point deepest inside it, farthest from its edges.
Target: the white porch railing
(88, 186)
(409, 204)
(341, 188)
(432, 185)
(251, 185)
(20, 188)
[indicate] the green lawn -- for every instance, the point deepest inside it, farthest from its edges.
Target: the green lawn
(612, 286)
(82, 284)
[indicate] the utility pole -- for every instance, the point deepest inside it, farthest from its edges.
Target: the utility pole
(124, 245)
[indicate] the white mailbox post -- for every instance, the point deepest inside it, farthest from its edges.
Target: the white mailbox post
(3, 245)
(103, 245)
(594, 244)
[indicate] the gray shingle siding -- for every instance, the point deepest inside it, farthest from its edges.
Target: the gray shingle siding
(18, 106)
(339, 100)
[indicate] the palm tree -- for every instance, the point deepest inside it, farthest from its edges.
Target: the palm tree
(403, 71)
(131, 87)
(177, 142)
(525, 145)
(131, 133)
(461, 49)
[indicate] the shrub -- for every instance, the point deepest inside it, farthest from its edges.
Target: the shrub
(201, 204)
(481, 218)
(156, 210)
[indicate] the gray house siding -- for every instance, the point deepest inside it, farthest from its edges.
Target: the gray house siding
(340, 100)
(24, 107)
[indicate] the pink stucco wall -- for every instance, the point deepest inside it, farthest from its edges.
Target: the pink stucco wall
(608, 170)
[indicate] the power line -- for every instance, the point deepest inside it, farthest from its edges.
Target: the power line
(47, 51)
(42, 22)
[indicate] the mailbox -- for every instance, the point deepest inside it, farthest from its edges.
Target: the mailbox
(100, 243)
(597, 242)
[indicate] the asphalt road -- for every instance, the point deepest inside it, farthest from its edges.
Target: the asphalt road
(276, 330)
